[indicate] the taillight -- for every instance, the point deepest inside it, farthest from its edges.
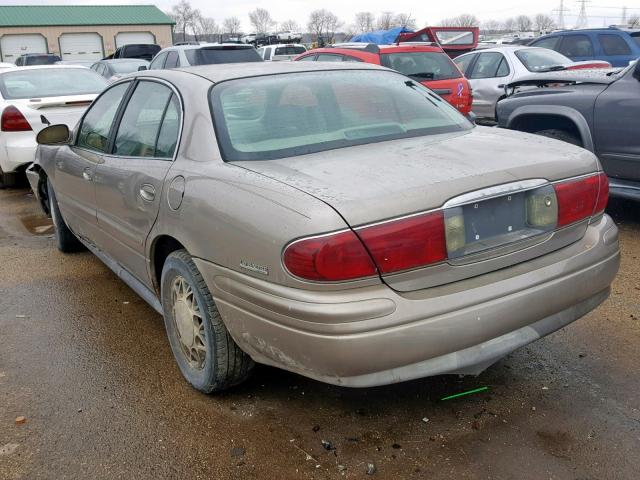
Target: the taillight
(330, 258)
(579, 199)
(13, 121)
(406, 243)
(603, 193)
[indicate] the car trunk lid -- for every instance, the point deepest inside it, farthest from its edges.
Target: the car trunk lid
(41, 112)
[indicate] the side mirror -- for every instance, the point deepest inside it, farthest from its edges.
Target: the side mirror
(142, 68)
(636, 70)
(53, 135)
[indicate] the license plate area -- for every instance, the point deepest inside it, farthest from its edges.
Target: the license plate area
(489, 224)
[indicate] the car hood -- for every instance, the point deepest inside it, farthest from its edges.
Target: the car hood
(388, 179)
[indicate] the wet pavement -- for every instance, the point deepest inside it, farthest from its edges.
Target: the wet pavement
(86, 362)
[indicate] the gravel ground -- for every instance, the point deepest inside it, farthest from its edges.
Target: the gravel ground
(86, 362)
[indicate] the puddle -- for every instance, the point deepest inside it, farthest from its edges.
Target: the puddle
(37, 224)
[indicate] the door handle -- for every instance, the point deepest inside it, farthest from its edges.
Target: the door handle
(87, 175)
(147, 192)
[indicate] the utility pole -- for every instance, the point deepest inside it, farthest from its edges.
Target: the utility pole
(623, 20)
(583, 21)
(561, 10)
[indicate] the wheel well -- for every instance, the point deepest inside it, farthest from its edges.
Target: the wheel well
(537, 123)
(163, 246)
(43, 192)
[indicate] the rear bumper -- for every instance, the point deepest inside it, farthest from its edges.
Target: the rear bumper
(373, 336)
(18, 149)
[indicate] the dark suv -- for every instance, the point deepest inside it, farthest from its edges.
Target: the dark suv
(29, 59)
(600, 114)
(142, 51)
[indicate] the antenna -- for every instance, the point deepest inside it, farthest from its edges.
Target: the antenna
(583, 21)
(561, 10)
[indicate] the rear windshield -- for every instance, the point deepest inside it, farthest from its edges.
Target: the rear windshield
(41, 59)
(541, 59)
(50, 82)
(422, 66)
(230, 54)
(278, 116)
(291, 50)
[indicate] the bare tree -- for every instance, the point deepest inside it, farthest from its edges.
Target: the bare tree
(524, 23)
(260, 20)
(385, 21)
(323, 25)
(510, 24)
(634, 21)
(290, 25)
(231, 26)
(492, 26)
(464, 20)
(404, 20)
(544, 23)
(205, 26)
(364, 22)
(184, 16)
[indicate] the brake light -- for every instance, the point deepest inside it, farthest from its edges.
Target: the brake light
(603, 193)
(577, 199)
(406, 243)
(336, 257)
(12, 120)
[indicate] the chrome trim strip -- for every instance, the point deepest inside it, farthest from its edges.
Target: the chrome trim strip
(495, 191)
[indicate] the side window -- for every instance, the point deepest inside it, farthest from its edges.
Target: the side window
(158, 62)
(168, 136)
(261, 52)
(488, 66)
(267, 53)
(172, 60)
(463, 62)
(138, 130)
(348, 58)
(576, 46)
(549, 42)
(308, 58)
(96, 125)
(325, 57)
(614, 45)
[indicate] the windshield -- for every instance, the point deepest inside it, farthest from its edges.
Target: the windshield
(50, 82)
(422, 65)
(290, 50)
(280, 116)
(230, 54)
(126, 67)
(541, 59)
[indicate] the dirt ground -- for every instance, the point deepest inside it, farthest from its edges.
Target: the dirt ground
(87, 363)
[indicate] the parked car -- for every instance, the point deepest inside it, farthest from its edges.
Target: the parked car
(142, 51)
(425, 63)
(489, 70)
(281, 52)
(335, 220)
(32, 98)
(112, 70)
(249, 38)
(289, 36)
(599, 114)
(613, 45)
(190, 55)
(30, 59)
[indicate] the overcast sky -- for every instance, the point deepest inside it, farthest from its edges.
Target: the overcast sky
(601, 12)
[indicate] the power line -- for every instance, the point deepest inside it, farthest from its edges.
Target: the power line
(583, 21)
(561, 10)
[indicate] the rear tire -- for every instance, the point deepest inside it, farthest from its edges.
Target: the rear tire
(66, 241)
(207, 356)
(562, 135)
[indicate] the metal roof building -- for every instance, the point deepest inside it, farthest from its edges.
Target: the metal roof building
(79, 32)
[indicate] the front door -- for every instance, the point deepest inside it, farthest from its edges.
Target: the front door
(75, 165)
(129, 182)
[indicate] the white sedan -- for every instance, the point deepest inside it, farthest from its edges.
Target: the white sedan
(489, 70)
(32, 98)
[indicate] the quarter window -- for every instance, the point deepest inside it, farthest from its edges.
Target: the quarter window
(141, 122)
(96, 125)
(614, 45)
(168, 137)
(576, 46)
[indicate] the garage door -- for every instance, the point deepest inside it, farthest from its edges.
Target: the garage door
(81, 47)
(12, 46)
(126, 38)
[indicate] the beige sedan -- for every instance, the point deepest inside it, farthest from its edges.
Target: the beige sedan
(337, 220)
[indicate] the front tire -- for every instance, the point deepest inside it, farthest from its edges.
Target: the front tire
(207, 356)
(66, 241)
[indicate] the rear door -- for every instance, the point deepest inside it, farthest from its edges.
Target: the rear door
(75, 166)
(487, 76)
(130, 180)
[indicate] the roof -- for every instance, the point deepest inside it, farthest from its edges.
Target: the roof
(55, 15)
(230, 71)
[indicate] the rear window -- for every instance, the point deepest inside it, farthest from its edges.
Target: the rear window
(541, 59)
(290, 50)
(279, 116)
(141, 50)
(50, 82)
(422, 66)
(614, 45)
(210, 56)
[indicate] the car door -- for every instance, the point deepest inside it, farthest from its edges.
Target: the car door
(488, 76)
(129, 182)
(75, 165)
(617, 130)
